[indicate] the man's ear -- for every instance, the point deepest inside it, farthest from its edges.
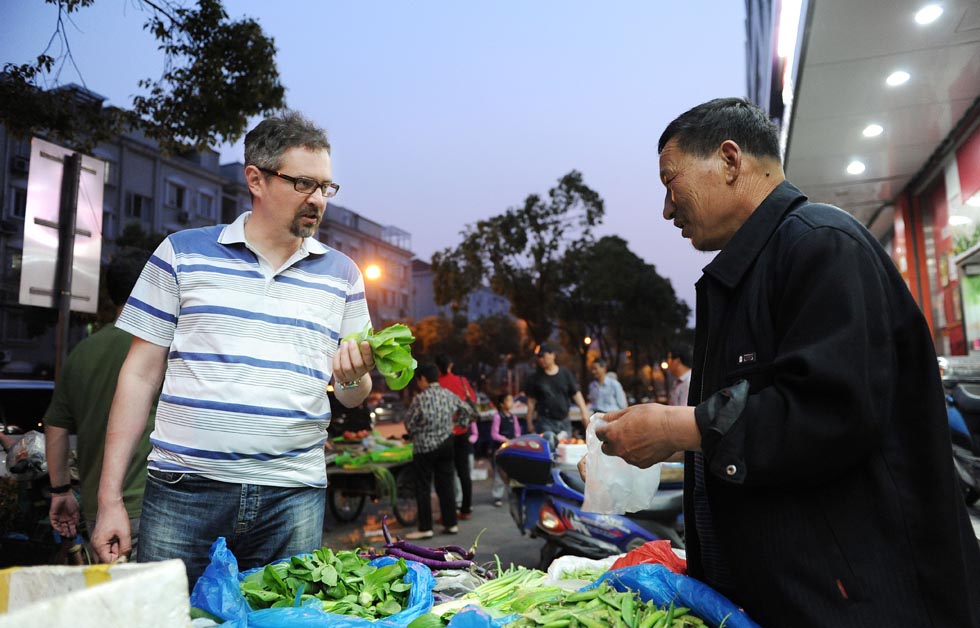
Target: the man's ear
(731, 155)
(254, 179)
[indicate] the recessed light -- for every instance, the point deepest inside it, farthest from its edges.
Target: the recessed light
(855, 167)
(872, 130)
(928, 14)
(899, 77)
(959, 221)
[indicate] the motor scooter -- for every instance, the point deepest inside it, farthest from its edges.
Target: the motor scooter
(546, 502)
(961, 379)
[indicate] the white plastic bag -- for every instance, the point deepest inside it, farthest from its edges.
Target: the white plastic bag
(26, 460)
(612, 485)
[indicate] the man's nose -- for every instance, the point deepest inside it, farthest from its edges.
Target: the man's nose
(669, 206)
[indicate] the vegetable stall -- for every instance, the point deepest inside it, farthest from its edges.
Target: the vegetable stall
(367, 465)
(418, 586)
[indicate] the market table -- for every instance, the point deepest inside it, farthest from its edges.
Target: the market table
(348, 489)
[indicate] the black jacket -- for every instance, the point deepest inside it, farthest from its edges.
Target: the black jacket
(829, 477)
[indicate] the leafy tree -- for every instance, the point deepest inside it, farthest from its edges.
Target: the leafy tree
(622, 302)
(133, 235)
(217, 74)
(522, 252)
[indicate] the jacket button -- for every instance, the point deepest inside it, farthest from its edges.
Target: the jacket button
(730, 469)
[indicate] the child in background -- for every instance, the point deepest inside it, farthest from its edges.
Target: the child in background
(504, 427)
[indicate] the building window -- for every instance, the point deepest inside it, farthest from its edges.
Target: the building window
(111, 173)
(109, 227)
(176, 195)
(15, 324)
(12, 260)
(18, 202)
(205, 205)
(139, 206)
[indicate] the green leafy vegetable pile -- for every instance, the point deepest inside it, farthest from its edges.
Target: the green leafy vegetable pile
(344, 581)
(392, 353)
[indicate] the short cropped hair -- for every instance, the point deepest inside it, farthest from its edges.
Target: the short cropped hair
(266, 143)
(443, 362)
(430, 372)
(701, 130)
(683, 352)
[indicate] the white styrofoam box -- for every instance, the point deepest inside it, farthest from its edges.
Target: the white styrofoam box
(570, 453)
(95, 596)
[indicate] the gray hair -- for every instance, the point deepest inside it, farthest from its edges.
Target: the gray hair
(266, 143)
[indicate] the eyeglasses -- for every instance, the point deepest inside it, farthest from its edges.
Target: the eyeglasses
(306, 185)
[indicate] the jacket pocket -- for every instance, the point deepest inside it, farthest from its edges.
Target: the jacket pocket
(758, 376)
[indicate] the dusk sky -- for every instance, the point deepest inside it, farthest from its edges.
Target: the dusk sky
(442, 113)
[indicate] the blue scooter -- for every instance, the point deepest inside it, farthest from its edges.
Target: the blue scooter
(961, 378)
(546, 502)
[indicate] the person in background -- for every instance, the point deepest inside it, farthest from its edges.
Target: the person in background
(819, 480)
(503, 427)
(605, 392)
(550, 393)
(429, 422)
(679, 367)
(241, 324)
(80, 404)
(462, 435)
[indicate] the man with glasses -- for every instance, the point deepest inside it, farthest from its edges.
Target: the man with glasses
(242, 325)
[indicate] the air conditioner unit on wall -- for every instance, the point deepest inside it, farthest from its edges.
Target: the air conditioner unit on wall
(19, 165)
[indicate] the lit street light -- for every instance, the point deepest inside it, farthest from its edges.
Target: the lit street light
(372, 272)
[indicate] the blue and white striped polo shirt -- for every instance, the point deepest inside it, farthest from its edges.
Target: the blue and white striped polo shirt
(251, 351)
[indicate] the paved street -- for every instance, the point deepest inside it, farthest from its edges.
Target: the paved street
(502, 538)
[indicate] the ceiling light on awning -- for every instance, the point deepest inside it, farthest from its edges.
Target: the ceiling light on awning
(872, 130)
(899, 77)
(959, 221)
(855, 167)
(928, 14)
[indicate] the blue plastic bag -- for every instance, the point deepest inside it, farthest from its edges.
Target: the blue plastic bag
(218, 593)
(657, 583)
(471, 617)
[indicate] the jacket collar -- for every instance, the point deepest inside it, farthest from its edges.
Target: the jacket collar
(734, 260)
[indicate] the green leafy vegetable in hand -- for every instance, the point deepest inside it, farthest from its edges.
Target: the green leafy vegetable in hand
(392, 352)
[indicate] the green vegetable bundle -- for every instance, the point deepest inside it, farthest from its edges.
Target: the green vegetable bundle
(392, 353)
(596, 608)
(344, 582)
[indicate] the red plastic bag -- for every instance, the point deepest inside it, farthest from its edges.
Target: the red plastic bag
(655, 552)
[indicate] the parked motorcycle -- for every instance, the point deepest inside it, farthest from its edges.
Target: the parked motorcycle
(546, 501)
(961, 378)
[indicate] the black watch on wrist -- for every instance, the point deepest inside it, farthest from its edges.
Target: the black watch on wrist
(58, 490)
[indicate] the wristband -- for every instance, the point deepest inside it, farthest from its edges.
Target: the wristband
(58, 490)
(354, 383)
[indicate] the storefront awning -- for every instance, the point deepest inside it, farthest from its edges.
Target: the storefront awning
(846, 53)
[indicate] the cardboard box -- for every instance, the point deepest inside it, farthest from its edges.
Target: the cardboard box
(95, 596)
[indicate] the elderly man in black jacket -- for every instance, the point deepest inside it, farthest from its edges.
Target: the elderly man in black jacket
(819, 483)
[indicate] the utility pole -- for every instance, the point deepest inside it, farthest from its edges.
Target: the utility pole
(67, 213)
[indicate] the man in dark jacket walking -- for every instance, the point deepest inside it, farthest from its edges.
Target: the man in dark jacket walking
(819, 486)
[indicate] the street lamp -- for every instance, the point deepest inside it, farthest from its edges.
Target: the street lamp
(372, 272)
(587, 341)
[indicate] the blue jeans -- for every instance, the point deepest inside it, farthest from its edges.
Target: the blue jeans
(183, 514)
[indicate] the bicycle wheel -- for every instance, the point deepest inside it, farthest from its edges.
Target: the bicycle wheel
(405, 507)
(345, 507)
